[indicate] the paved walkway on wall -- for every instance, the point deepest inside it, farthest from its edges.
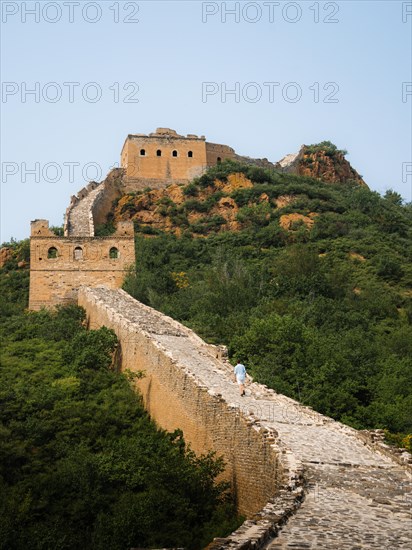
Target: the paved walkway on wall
(79, 217)
(356, 498)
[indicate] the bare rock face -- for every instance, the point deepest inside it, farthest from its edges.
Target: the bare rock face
(6, 254)
(291, 222)
(322, 163)
(288, 161)
(234, 181)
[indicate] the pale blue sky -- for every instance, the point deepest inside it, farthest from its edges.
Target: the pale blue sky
(168, 54)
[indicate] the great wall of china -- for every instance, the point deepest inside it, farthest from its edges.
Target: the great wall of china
(303, 480)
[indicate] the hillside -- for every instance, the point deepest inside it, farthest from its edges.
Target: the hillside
(81, 463)
(231, 196)
(309, 282)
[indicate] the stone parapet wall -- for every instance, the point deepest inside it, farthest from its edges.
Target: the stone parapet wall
(215, 152)
(256, 464)
(89, 208)
(111, 189)
(261, 163)
(375, 439)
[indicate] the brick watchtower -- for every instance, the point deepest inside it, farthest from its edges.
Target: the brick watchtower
(60, 265)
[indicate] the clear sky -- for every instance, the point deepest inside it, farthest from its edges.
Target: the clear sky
(300, 72)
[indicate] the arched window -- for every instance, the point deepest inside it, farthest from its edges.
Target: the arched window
(78, 253)
(174, 153)
(52, 252)
(158, 153)
(113, 253)
(190, 154)
(219, 160)
(142, 152)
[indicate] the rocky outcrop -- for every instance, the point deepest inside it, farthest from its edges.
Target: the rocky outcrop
(6, 254)
(323, 163)
(157, 208)
(294, 221)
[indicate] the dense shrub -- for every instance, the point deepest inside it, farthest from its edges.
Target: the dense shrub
(81, 464)
(314, 313)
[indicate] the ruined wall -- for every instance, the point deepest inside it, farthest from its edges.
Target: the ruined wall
(176, 398)
(111, 189)
(89, 208)
(216, 153)
(60, 265)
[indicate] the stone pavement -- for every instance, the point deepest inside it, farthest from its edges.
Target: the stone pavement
(80, 222)
(356, 497)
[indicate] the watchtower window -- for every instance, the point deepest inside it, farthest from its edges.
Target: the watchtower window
(159, 153)
(174, 153)
(219, 160)
(113, 253)
(52, 252)
(190, 154)
(78, 253)
(142, 152)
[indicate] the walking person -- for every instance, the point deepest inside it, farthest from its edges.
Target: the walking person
(240, 375)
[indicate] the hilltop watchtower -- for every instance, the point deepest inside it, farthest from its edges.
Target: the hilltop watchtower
(164, 157)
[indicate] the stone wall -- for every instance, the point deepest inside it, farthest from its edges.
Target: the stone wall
(215, 152)
(261, 163)
(302, 479)
(89, 208)
(111, 189)
(76, 219)
(271, 444)
(176, 398)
